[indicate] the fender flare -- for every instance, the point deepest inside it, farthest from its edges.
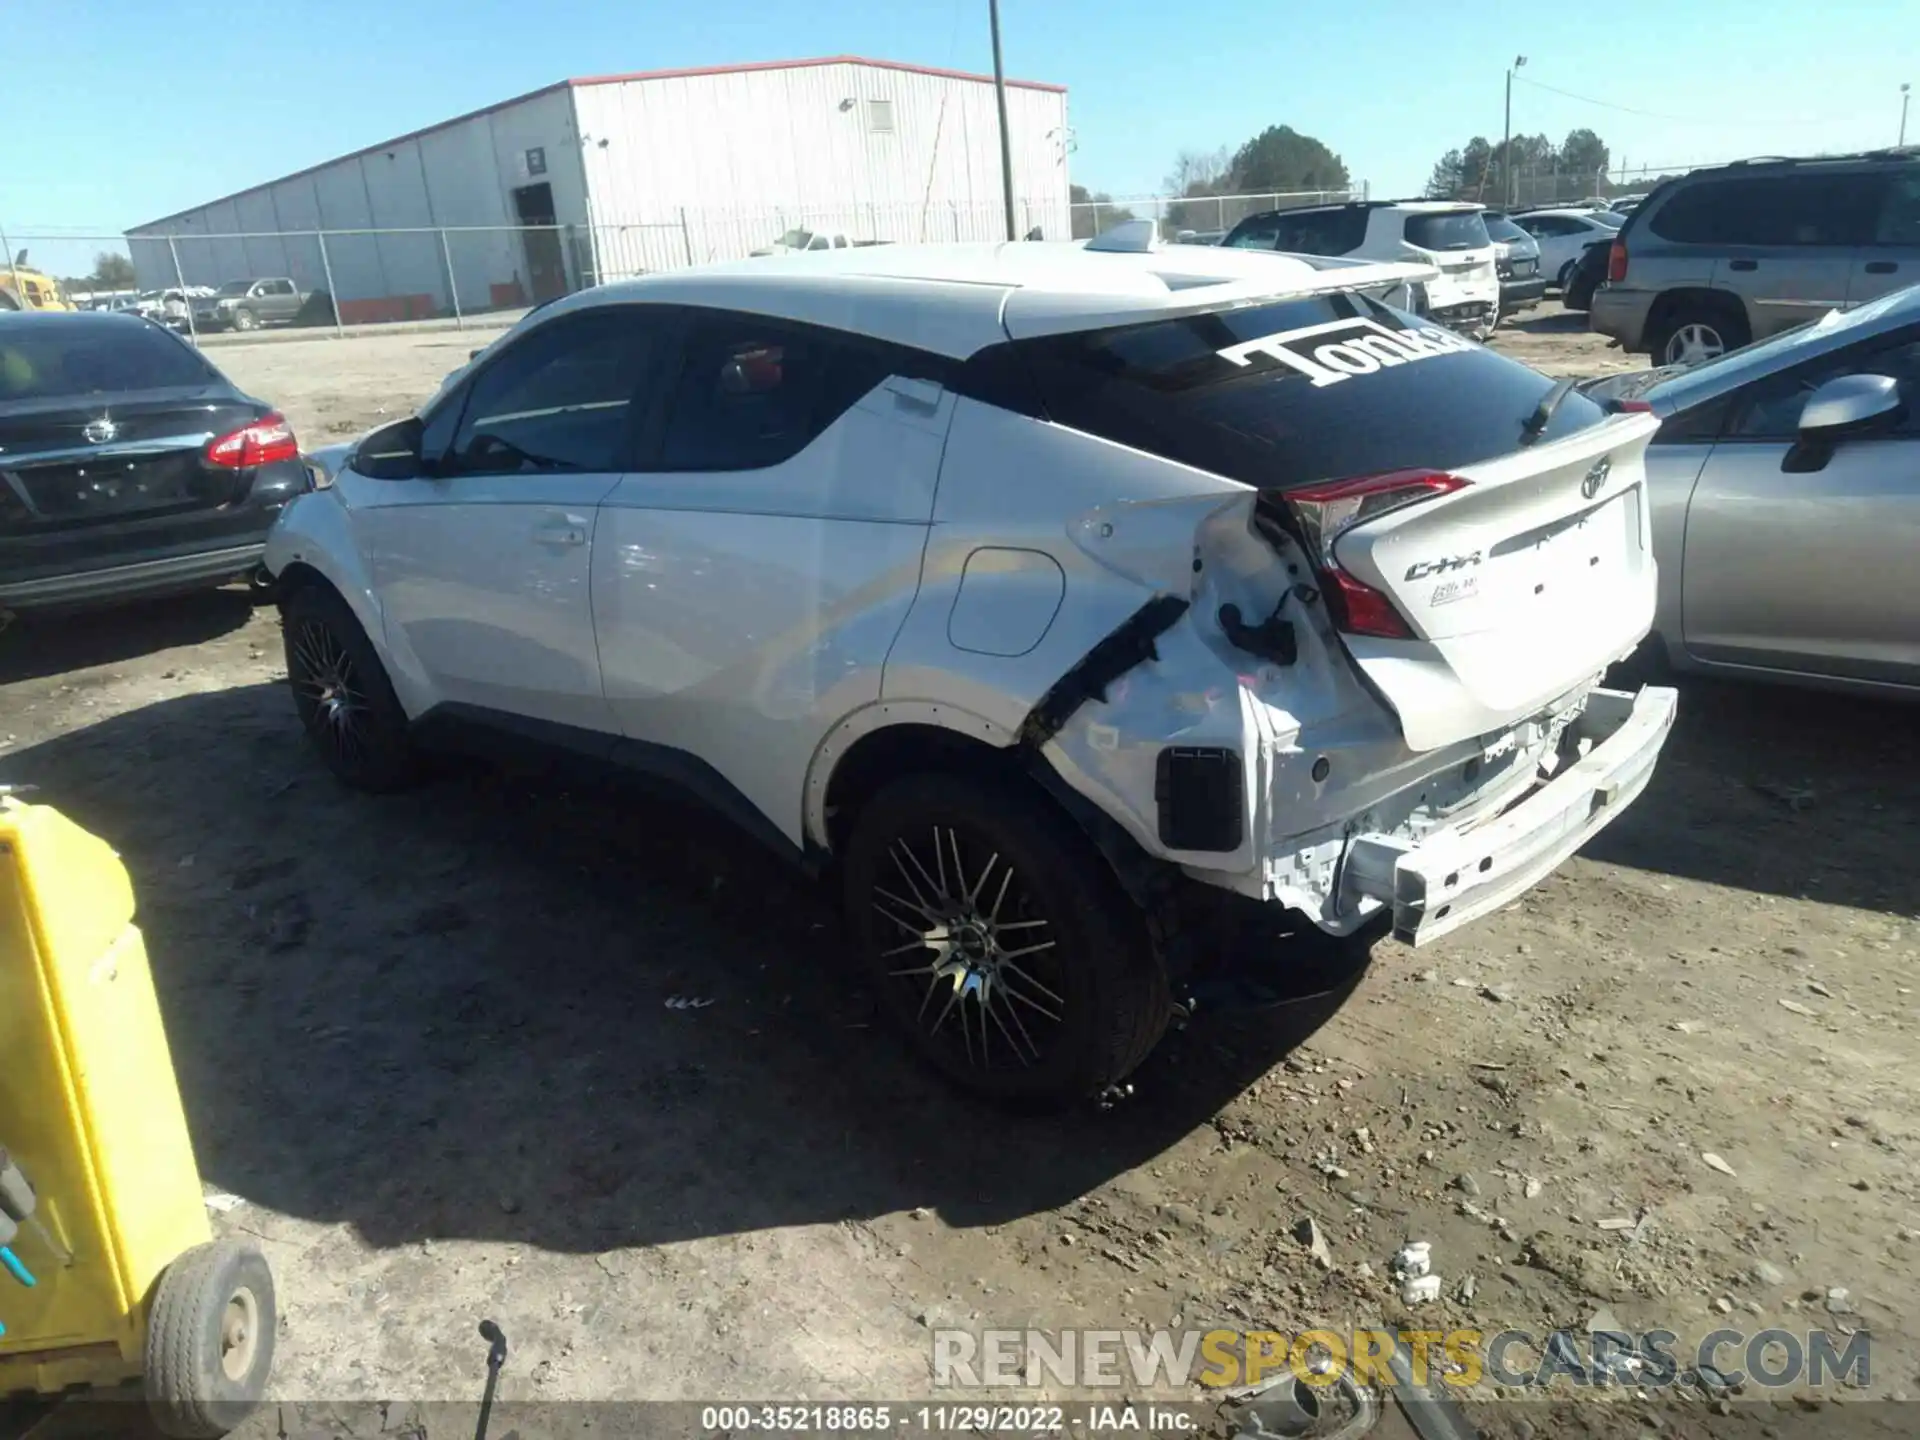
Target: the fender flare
(313, 533)
(872, 717)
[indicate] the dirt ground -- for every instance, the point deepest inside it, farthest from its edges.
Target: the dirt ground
(430, 1043)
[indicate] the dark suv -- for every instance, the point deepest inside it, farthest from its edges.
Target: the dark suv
(1720, 257)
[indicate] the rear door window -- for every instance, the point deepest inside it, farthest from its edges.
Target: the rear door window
(1455, 230)
(754, 392)
(1292, 392)
(1898, 220)
(1832, 208)
(83, 357)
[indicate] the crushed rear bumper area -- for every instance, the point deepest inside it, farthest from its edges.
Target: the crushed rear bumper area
(1454, 876)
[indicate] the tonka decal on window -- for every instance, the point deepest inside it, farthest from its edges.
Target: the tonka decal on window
(1340, 349)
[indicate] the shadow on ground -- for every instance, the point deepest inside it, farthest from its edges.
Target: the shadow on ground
(1782, 792)
(444, 1014)
(1558, 322)
(33, 647)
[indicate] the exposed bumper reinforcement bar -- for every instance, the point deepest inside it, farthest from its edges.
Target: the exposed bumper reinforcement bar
(1455, 876)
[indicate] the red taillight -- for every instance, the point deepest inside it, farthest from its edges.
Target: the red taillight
(266, 440)
(1326, 512)
(1616, 261)
(1633, 407)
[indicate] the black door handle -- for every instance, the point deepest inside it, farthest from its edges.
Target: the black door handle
(1743, 264)
(1881, 267)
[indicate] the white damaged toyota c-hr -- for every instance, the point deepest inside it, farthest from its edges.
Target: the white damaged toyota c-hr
(1088, 614)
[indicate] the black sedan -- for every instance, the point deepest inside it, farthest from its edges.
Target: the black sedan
(129, 466)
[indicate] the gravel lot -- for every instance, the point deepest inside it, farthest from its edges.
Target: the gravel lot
(427, 1040)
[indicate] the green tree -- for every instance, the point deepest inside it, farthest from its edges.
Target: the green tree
(1280, 158)
(112, 272)
(1583, 153)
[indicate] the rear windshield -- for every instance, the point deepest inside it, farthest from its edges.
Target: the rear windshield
(69, 355)
(1330, 386)
(1449, 230)
(1500, 228)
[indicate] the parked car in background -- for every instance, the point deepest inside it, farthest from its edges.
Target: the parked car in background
(1564, 234)
(1449, 235)
(1589, 273)
(129, 466)
(23, 288)
(249, 304)
(1199, 237)
(1785, 490)
(1095, 600)
(1740, 252)
(1625, 204)
(795, 241)
(1516, 259)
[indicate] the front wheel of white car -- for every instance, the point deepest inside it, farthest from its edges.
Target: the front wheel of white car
(341, 691)
(999, 943)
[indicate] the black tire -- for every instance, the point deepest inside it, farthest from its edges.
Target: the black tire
(1565, 277)
(1086, 1000)
(341, 691)
(1724, 321)
(210, 1334)
(244, 319)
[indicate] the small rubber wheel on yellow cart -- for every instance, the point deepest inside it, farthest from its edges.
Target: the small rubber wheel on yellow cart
(210, 1340)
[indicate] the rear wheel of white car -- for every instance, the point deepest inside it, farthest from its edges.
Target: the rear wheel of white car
(998, 941)
(342, 694)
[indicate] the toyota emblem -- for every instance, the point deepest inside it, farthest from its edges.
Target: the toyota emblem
(1596, 478)
(99, 432)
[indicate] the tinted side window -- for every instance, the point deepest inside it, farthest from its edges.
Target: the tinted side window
(1330, 386)
(1256, 232)
(753, 392)
(1793, 209)
(1898, 222)
(1770, 409)
(1460, 230)
(561, 399)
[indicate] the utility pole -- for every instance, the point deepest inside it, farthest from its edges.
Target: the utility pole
(1506, 145)
(1904, 97)
(1000, 98)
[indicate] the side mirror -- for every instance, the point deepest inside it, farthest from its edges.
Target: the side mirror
(1847, 402)
(391, 452)
(1845, 405)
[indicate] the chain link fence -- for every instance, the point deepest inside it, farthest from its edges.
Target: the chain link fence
(213, 284)
(1202, 217)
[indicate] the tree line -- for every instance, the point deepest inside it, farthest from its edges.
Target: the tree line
(1489, 171)
(1278, 160)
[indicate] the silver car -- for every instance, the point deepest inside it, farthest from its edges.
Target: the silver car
(1785, 489)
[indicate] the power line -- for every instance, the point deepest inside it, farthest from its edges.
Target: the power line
(1676, 119)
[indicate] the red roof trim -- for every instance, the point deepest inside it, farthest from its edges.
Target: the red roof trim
(805, 64)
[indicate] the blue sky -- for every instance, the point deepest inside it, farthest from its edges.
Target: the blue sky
(134, 108)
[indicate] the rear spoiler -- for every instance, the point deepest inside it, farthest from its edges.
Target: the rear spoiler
(1097, 310)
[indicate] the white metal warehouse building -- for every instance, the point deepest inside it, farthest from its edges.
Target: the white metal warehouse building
(617, 175)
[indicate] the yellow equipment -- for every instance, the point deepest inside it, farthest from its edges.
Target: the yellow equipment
(127, 1278)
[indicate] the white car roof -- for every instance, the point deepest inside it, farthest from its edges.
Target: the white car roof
(957, 299)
